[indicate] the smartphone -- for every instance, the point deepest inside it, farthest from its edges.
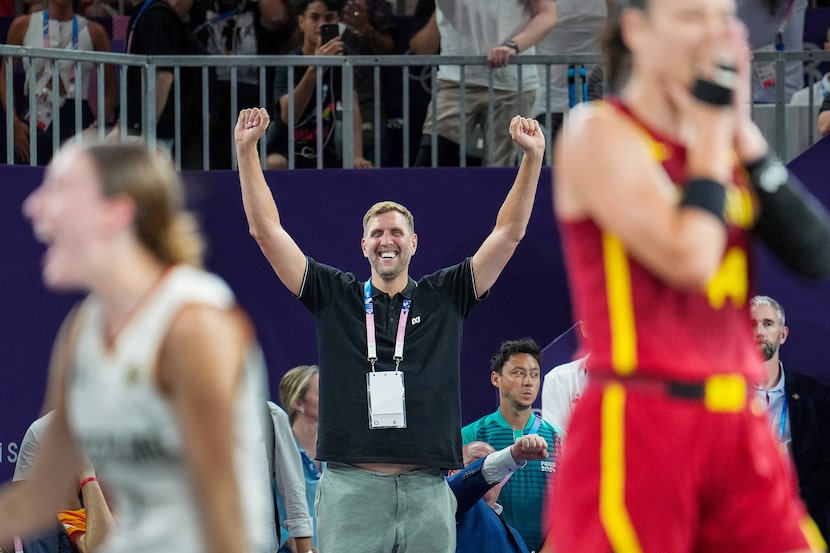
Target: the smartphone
(329, 31)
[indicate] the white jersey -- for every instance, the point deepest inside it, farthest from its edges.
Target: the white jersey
(131, 434)
(61, 35)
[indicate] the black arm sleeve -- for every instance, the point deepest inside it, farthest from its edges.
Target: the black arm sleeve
(793, 223)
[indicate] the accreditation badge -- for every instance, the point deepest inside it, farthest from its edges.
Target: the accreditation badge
(387, 400)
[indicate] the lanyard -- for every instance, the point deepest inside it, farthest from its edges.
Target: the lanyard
(572, 71)
(779, 36)
(220, 17)
(536, 423)
(312, 466)
(534, 427)
(47, 41)
(141, 11)
(371, 343)
(783, 422)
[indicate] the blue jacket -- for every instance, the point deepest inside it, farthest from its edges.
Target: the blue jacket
(480, 529)
(808, 402)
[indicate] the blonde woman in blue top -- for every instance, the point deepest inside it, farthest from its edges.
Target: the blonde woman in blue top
(299, 391)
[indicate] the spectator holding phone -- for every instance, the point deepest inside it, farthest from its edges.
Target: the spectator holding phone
(370, 31)
(313, 16)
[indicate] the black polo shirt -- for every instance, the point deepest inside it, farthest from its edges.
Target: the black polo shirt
(431, 355)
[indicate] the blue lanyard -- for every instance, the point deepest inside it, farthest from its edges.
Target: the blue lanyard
(47, 43)
(141, 11)
(534, 427)
(312, 466)
(572, 71)
(783, 422)
(371, 343)
(537, 421)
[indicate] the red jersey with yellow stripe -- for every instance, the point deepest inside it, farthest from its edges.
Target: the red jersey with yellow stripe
(638, 324)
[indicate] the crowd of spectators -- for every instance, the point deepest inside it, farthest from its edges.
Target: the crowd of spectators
(364, 27)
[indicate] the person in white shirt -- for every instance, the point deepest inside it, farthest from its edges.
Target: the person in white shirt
(561, 389)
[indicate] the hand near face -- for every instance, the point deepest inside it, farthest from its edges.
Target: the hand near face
(527, 134)
(334, 47)
(250, 126)
(356, 15)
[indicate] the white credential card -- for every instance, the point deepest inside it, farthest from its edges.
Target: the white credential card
(387, 406)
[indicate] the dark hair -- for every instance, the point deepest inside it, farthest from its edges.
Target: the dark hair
(617, 54)
(300, 6)
(512, 347)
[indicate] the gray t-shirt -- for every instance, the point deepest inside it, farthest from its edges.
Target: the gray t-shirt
(29, 446)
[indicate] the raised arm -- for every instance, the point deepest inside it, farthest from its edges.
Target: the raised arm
(511, 222)
(305, 91)
(286, 258)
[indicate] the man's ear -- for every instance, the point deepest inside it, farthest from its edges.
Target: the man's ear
(363, 247)
(495, 378)
(785, 331)
(414, 243)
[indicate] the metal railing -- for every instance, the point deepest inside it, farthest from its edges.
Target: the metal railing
(413, 69)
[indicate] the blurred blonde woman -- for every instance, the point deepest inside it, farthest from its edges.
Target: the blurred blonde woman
(156, 374)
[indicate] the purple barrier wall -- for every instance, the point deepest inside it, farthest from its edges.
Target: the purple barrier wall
(454, 210)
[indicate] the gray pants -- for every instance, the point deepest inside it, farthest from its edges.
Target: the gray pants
(506, 104)
(373, 512)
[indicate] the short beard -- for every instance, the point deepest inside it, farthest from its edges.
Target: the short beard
(767, 350)
(394, 273)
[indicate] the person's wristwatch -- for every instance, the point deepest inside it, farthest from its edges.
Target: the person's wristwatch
(511, 44)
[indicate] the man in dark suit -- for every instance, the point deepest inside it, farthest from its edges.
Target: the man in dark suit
(799, 410)
(479, 525)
